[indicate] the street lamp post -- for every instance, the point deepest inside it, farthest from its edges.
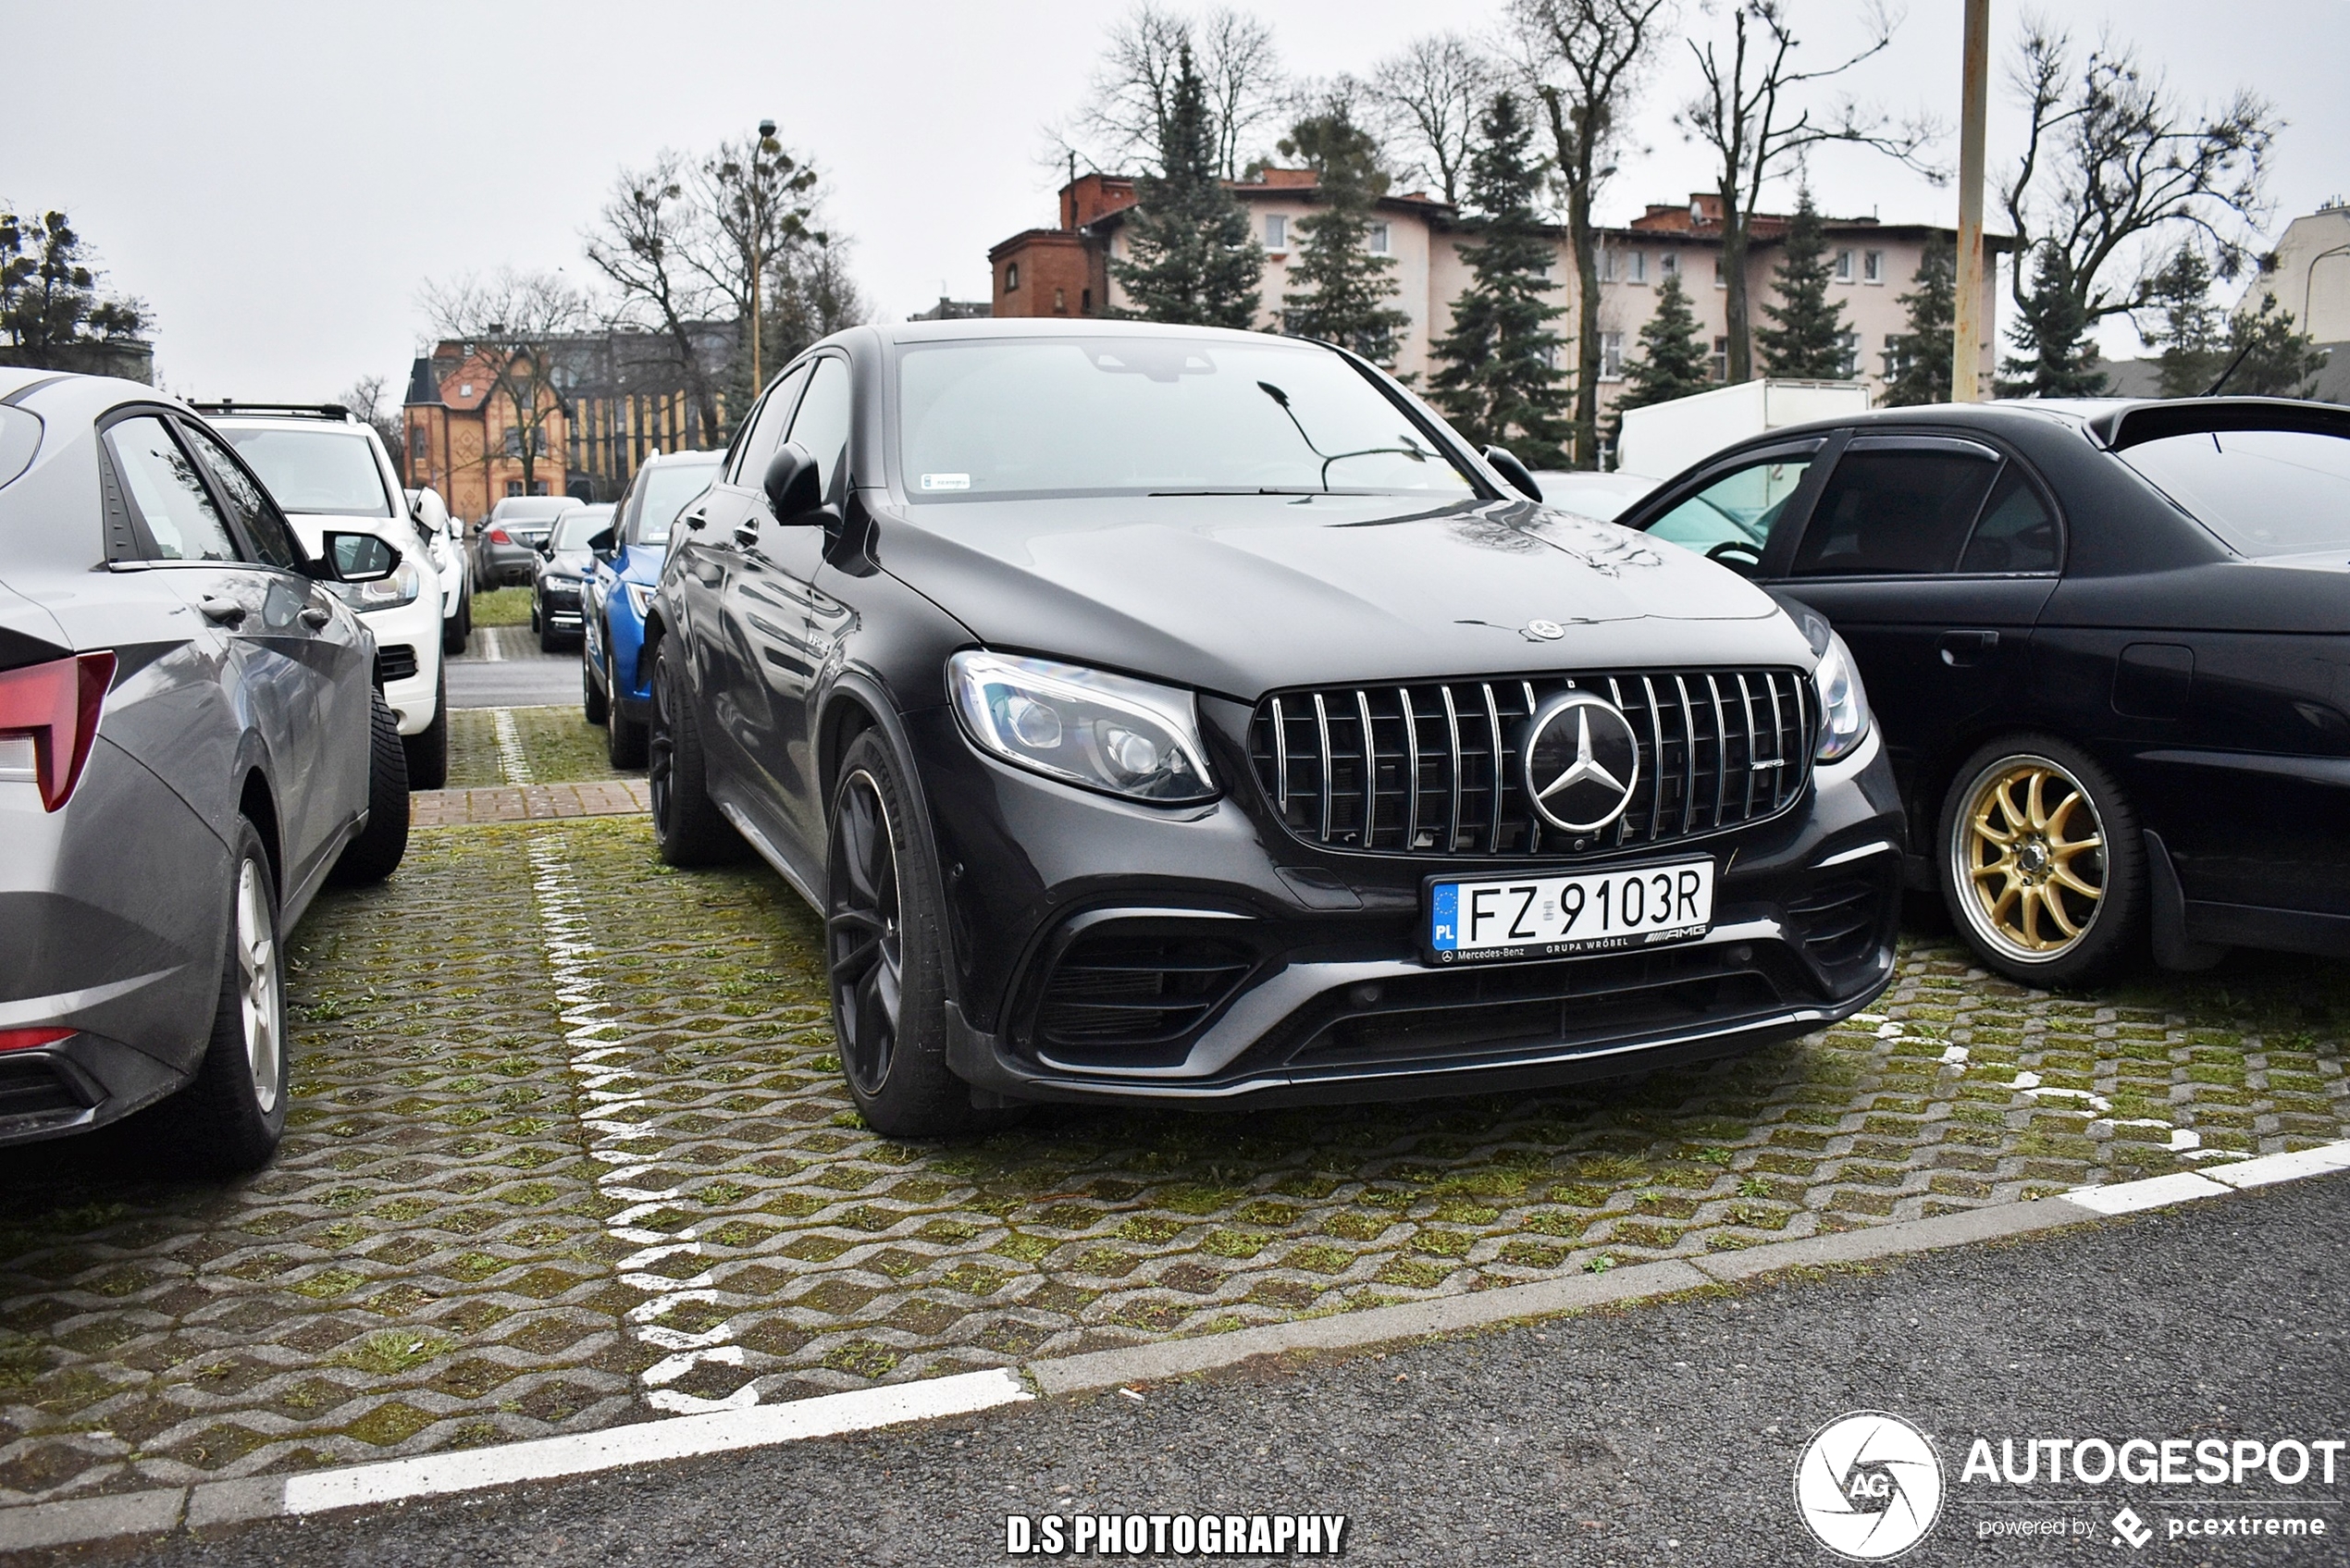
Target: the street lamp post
(758, 264)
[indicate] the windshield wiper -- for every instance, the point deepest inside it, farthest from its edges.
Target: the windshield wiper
(1243, 490)
(1409, 448)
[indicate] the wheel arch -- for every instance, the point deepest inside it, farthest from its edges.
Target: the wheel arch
(258, 804)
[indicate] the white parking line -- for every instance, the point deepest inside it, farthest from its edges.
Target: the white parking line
(513, 761)
(490, 650)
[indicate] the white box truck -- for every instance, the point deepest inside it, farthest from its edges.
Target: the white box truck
(1659, 440)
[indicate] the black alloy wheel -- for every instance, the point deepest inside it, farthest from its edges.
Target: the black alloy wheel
(864, 947)
(688, 828)
(593, 704)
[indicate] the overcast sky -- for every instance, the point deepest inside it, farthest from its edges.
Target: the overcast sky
(278, 180)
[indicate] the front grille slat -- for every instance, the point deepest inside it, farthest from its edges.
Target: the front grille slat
(1707, 738)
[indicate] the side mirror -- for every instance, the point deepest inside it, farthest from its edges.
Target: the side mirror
(794, 488)
(547, 546)
(600, 545)
(360, 558)
(1510, 468)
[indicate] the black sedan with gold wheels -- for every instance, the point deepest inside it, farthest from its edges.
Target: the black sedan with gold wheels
(2108, 647)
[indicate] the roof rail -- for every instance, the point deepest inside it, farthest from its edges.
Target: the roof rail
(297, 411)
(2136, 423)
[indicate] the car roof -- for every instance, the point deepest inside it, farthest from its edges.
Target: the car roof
(534, 506)
(1050, 326)
(699, 457)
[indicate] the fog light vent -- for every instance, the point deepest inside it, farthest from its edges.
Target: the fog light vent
(1123, 988)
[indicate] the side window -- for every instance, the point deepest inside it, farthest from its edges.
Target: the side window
(823, 424)
(766, 432)
(1741, 508)
(257, 515)
(170, 500)
(2016, 533)
(1894, 512)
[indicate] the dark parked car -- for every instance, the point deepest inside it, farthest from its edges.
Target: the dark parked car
(506, 542)
(559, 582)
(2109, 646)
(1170, 715)
(615, 683)
(190, 742)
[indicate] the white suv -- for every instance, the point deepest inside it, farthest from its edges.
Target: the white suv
(327, 469)
(446, 541)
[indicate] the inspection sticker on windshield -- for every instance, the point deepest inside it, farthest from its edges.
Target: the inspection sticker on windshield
(1557, 916)
(946, 481)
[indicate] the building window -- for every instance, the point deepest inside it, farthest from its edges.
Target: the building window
(417, 442)
(1843, 266)
(465, 390)
(1011, 276)
(1276, 232)
(1607, 267)
(1850, 344)
(1375, 240)
(1060, 302)
(1085, 301)
(1897, 355)
(1611, 356)
(1639, 266)
(513, 487)
(1721, 279)
(1669, 264)
(1872, 266)
(1720, 363)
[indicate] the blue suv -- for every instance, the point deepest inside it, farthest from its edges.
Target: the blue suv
(615, 687)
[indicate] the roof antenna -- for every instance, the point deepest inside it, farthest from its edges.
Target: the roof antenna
(2267, 302)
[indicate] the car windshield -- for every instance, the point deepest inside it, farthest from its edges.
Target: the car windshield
(321, 471)
(2265, 492)
(992, 419)
(668, 487)
(576, 528)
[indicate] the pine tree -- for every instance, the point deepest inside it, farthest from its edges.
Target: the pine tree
(1344, 282)
(1192, 261)
(51, 309)
(1673, 358)
(2190, 339)
(2051, 327)
(1807, 339)
(1921, 355)
(2268, 358)
(1500, 380)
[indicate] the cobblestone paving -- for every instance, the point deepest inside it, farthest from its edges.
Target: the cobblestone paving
(556, 743)
(569, 1148)
(518, 803)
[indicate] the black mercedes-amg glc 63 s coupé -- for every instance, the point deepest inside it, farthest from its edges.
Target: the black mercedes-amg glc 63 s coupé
(1161, 713)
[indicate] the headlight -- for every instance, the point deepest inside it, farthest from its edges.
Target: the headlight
(1844, 707)
(390, 593)
(1104, 732)
(640, 598)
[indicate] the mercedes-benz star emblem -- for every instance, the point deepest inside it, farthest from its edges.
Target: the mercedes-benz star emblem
(1582, 760)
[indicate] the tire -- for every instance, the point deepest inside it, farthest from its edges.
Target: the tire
(2042, 897)
(593, 704)
(688, 828)
(466, 616)
(885, 956)
(231, 1115)
(452, 632)
(428, 747)
(624, 740)
(533, 617)
(377, 852)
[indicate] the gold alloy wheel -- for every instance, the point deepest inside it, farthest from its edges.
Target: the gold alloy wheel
(2031, 856)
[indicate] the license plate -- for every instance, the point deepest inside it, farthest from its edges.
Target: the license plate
(1555, 917)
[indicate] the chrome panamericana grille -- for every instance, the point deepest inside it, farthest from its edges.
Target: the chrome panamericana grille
(1433, 767)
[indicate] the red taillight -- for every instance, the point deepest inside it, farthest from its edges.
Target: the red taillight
(56, 705)
(498, 537)
(23, 1039)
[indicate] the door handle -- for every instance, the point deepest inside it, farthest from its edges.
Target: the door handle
(696, 518)
(221, 612)
(1960, 649)
(746, 533)
(315, 616)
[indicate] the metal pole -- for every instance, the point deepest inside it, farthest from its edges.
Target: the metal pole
(1968, 327)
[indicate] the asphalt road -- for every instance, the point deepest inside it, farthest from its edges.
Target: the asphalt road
(521, 676)
(1658, 1434)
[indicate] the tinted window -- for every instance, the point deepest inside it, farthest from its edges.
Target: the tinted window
(1894, 512)
(1097, 416)
(821, 425)
(1741, 508)
(2267, 493)
(168, 497)
(766, 432)
(327, 470)
(573, 530)
(663, 494)
(262, 526)
(2016, 534)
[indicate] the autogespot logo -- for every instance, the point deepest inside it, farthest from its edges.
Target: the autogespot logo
(1869, 1485)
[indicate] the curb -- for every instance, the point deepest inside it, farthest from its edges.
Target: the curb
(169, 1510)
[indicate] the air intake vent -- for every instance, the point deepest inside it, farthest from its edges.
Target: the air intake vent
(1838, 923)
(1127, 989)
(1434, 770)
(396, 663)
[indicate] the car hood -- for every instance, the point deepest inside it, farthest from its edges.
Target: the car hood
(1246, 594)
(569, 564)
(642, 563)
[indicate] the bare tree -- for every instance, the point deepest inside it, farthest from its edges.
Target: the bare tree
(2113, 167)
(641, 243)
(1132, 96)
(757, 201)
(1585, 60)
(511, 321)
(1427, 97)
(1745, 113)
(365, 397)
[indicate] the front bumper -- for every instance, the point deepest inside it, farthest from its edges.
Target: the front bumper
(408, 659)
(561, 607)
(1274, 972)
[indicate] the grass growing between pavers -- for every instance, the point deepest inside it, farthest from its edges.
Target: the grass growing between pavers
(502, 607)
(559, 745)
(433, 1261)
